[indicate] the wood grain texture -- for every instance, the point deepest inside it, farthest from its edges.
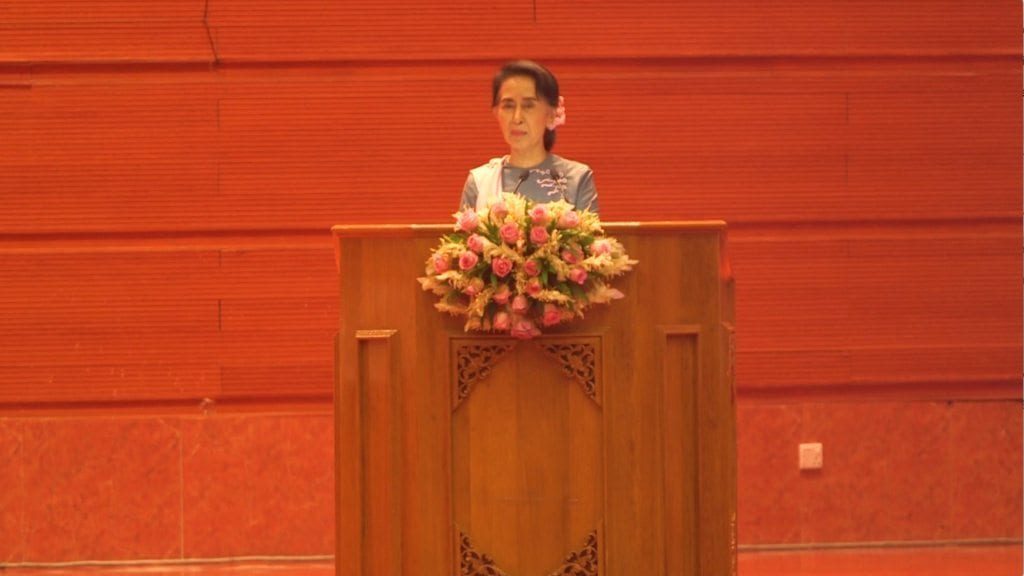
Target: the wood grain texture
(528, 464)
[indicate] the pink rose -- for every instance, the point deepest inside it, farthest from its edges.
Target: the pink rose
(468, 220)
(499, 210)
(509, 232)
(520, 304)
(600, 247)
(524, 329)
(539, 214)
(501, 266)
(467, 260)
(568, 256)
(533, 287)
(502, 321)
(440, 262)
(578, 275)
(502, 294)
(475, 243)
(531, 268)
(474, 287)
(552, 315)
(569, 219)
(539, 235)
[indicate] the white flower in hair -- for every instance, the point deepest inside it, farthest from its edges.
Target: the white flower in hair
(559, 118)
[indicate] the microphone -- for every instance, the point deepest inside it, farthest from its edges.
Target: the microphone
(522, 178)
(561, 189)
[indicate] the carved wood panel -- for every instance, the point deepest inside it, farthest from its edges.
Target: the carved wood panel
(473, 364)
(578, 361)
(500, 385)
(475, 563)
(583, 562)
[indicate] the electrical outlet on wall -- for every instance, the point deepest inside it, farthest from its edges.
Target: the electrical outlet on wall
(811, 456)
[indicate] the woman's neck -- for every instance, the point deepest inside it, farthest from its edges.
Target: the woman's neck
(528, 158)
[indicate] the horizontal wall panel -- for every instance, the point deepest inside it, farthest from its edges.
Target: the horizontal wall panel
(109, 346)
(963, 372)
(938, 290)
(100, 124)
(779, 157)
(134, 312)
(21, 12)
(279, 313)
(166, 325)
(841, 310)
(66, 278)
(288, 381)
(817, 310)
(113, 367)
(94, 380)
(935, 154)
(278, 347)
(108, 43)
(659, 27)
(281, 273)
(103, 32)
(105, 158)
(685, 155)
(380, 145)
(367, 149)
(859, 291)
(319, 30)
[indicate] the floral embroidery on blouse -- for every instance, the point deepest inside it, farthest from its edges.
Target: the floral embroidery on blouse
(556, 184)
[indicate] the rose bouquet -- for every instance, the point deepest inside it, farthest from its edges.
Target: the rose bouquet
(518, 265)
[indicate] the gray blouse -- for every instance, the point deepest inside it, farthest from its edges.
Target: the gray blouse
(553, 179)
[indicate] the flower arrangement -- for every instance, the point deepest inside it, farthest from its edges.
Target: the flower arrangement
(519, 265)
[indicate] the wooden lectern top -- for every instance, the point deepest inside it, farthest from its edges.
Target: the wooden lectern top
(612, 228)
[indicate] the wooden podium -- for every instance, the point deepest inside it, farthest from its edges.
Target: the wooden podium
(606, 446)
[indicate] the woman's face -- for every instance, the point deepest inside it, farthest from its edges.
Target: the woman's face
(522, 114)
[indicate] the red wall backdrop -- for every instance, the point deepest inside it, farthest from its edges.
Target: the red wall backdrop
(169, 172)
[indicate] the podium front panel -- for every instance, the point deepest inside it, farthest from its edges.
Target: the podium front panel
(605, 446)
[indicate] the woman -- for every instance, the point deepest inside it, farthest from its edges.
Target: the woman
(526, 103)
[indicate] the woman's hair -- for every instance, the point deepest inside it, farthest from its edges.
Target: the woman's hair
(543, 79)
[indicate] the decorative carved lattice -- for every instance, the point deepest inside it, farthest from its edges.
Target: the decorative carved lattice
(579, 362)
(473, 364)
(474, 563)
(583, 562)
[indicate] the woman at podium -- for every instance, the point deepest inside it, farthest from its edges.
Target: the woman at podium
(526, 103)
